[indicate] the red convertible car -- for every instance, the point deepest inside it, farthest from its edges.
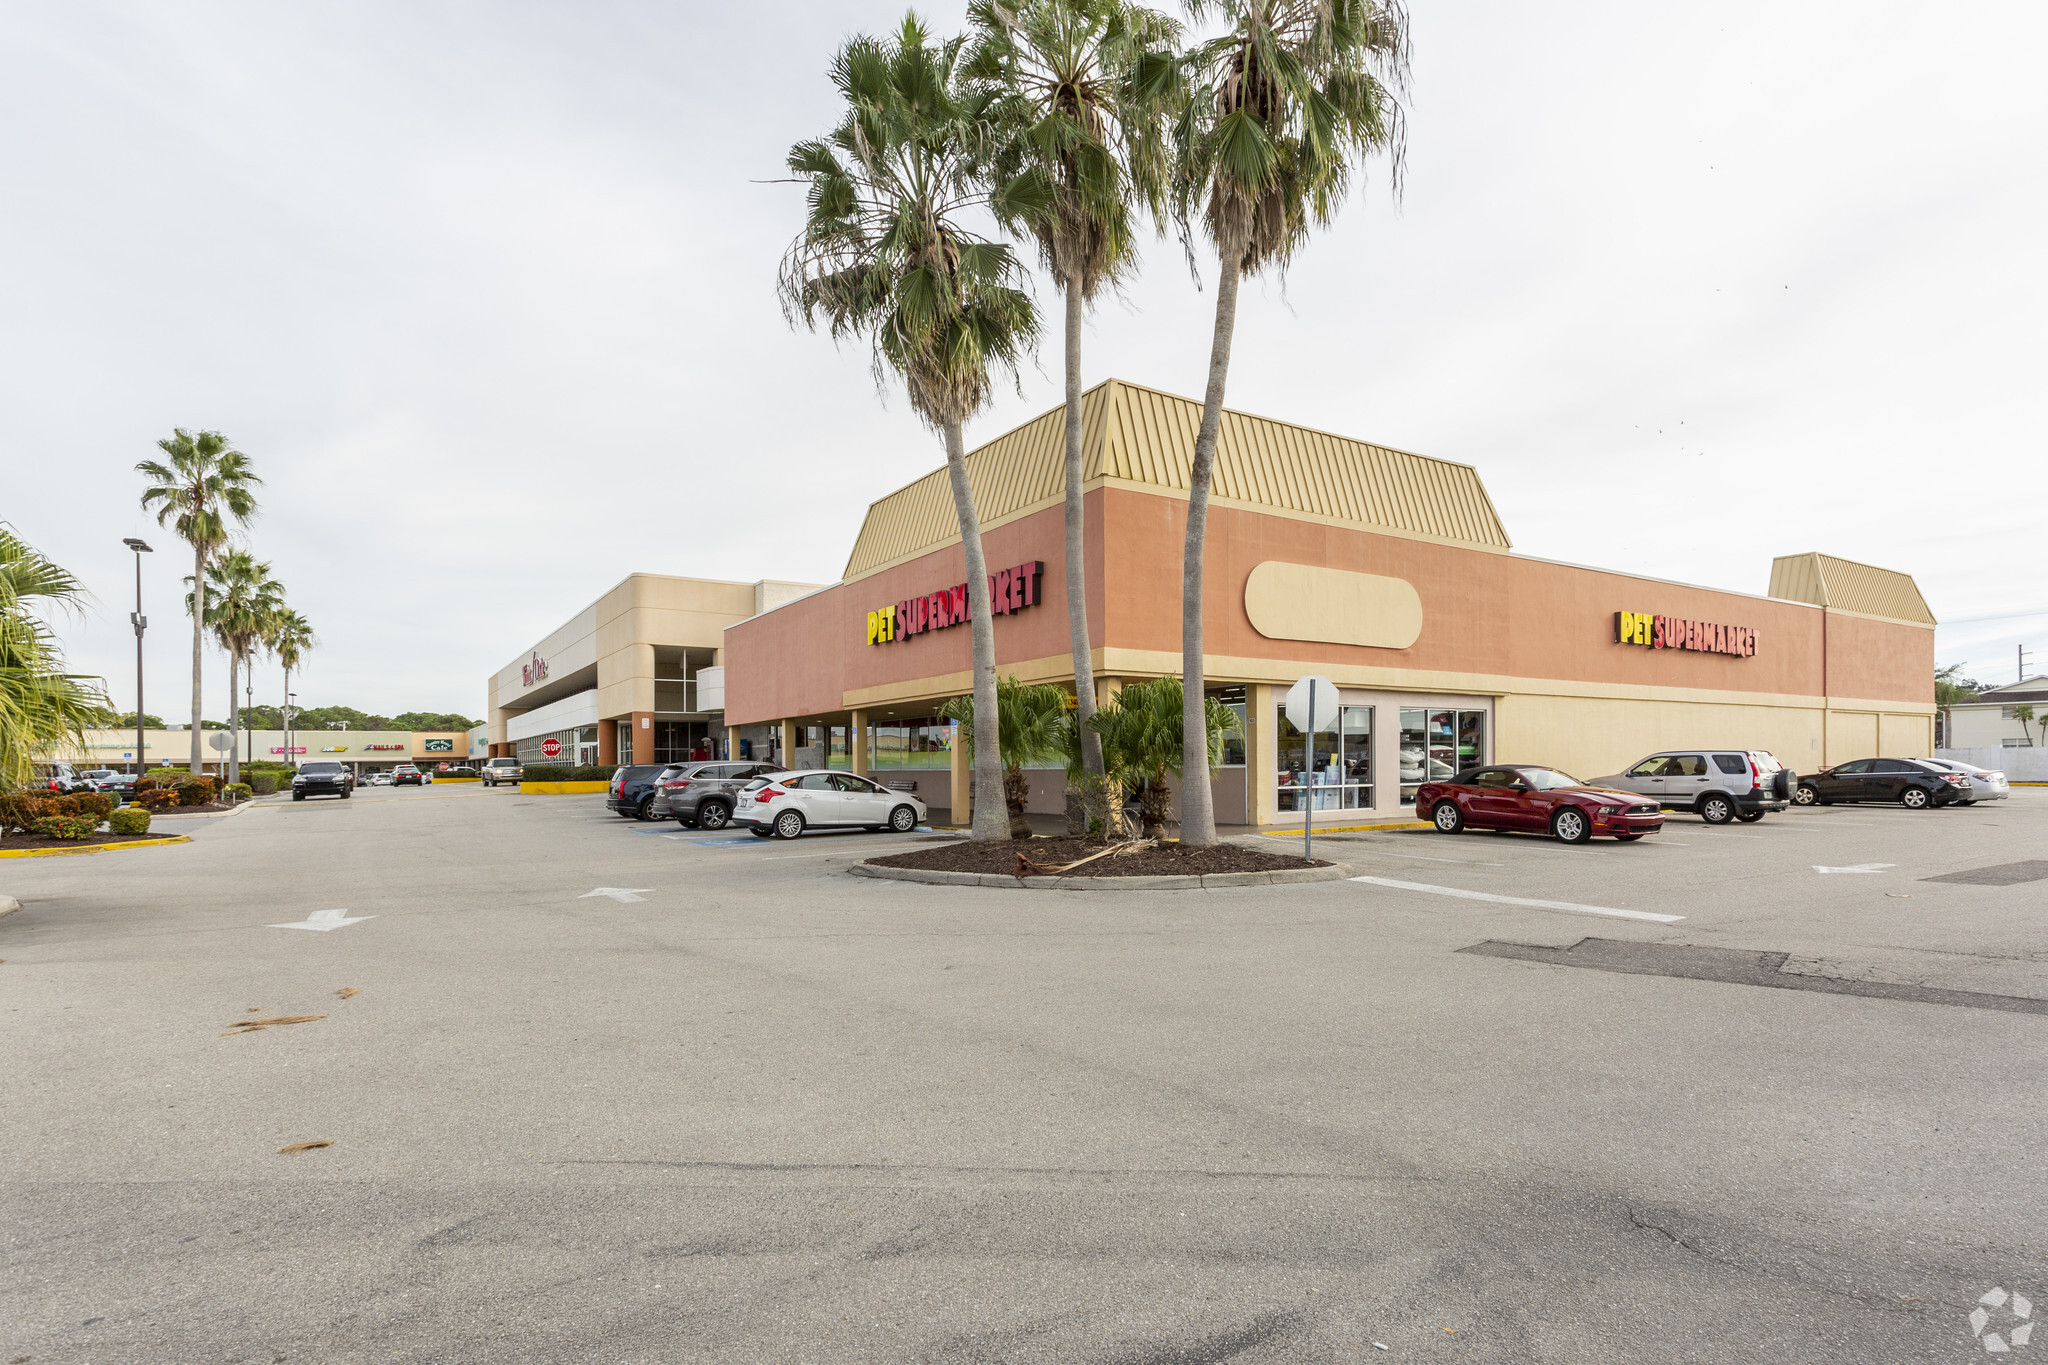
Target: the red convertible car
(1538, 800)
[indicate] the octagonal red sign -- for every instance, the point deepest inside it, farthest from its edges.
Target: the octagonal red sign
(551, 747)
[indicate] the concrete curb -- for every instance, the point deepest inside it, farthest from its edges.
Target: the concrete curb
(1214, 881)
(207, 814)
(91, 848)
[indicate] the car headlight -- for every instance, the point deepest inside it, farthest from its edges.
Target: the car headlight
(1610, 810)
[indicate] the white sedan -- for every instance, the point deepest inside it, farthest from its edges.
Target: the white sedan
(1985, 785)
(787, 804)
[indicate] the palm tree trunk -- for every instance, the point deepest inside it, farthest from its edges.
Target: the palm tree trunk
(991, 816)
(1197, 809)
(198, 642)
(1077, 562)
(234, 716)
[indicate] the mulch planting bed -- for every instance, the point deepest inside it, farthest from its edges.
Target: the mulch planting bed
(16, 842)
(1161, 860)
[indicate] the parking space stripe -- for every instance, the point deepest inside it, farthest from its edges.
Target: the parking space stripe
(1569, 906)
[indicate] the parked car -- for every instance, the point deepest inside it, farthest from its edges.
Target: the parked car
(1985, 785)
(322, 778)
(498, 770)
(704, 794)
(59, 777)
(1718, 784)
(1535, 800)
(108, 780)
(632, 790)
(406, 775)
(1914, 783)
(377, 779)
(786, 804)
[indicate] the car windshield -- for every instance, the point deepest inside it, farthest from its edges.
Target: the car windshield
(1548, 779)
(320, 769)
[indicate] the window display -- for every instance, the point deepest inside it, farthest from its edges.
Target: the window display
(1342, 779)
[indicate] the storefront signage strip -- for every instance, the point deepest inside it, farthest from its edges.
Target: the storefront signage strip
(1009, 590)
(1676, 632)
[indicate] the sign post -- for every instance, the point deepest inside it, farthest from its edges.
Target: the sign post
(1311, 706)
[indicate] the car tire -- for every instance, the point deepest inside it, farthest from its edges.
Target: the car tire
(645, 810)
(789, 824)
(1447, 818)
(902, 820)
(1916, 798)
(1716, 809)
(298, 796)
(1626, 838)
(760, 833)
(713, 815)
(1570, 826)
(345, 796)
(1749, 817)
(1806, 794)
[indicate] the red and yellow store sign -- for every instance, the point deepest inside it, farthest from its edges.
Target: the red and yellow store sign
(1677, 632)
(1009, 590)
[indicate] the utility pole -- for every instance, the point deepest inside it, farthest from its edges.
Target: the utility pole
(2024, 651)
(141, 623)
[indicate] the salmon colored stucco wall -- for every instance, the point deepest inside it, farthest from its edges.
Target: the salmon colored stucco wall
(1879, 660)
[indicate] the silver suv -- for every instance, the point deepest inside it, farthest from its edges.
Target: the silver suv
(1718, 784)
(498, 770)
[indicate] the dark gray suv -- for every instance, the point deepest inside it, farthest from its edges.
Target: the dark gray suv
(702, 794)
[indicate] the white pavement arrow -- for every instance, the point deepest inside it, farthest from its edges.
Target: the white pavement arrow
(321, 921)
(621, 894)
(1860, 867)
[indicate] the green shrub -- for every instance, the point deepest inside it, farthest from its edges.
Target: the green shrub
(196, 791)
(237, 791)
(129, 820)
(594, 772)
(262, 783)
(548, 772)
(66, 826)
(98, 805)
(21, 809)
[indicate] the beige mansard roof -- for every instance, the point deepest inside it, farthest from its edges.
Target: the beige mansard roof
(1845, 585)
(1138, 437)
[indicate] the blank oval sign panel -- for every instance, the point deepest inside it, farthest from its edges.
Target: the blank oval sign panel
(1333, 606)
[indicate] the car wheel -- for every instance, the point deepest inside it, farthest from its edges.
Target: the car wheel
(1447, 818)
(789, 824)
(760, 833)
(712, 815)
(1805, 795)
(645, 810)
(1915, 798)
(903, 819)
(298, 796)
(1570, 826)
(1716, 809)
(1749, 817)
(345, 796)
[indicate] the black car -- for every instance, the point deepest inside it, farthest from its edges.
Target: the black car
(407, 775)
(703, 794)
(632, 790)
(323, 779)
(1911, 783)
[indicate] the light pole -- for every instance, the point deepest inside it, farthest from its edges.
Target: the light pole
(141, 548)
(249, 704)
(288, 731)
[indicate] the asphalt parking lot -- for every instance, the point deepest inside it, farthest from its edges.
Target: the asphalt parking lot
(620, 1092)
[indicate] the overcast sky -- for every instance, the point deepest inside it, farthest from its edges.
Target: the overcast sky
(486, 291)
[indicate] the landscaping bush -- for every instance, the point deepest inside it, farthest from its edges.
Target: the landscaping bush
(129, 820)
(262, 783)
(156, 798)
(237, 791)
(547, 772)
(196, 791)
(595, 772)
(159, 777)
(98, 805)
(66, 826)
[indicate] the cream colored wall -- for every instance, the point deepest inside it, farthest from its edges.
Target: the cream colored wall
(1987, 727)
(648, 610)
(1591, 738)
(1905, 736)
(1852, 734)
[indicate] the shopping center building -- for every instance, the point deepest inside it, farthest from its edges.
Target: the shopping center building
(1388, 572)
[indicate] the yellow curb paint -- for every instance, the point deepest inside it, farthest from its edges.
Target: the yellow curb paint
(1347, 829)
(91, 848)
(563, 788)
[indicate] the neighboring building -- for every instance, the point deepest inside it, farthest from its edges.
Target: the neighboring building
(363, 750)
(2011, 717)
(1387, 571)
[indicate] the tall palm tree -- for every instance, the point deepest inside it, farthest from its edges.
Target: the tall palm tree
(241, 601)
(1142, 743)
(1031, 726)
(1281, 104)
(288, 637)
(885, 254)
(43, 709)
(205, 490)
(1084, 92)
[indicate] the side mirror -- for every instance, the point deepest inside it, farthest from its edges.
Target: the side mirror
(1523, 787)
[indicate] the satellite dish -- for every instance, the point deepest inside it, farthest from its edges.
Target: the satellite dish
(220, 741)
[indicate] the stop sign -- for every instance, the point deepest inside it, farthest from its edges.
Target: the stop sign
(551, 747)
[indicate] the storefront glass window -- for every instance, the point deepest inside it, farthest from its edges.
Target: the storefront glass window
(922, 743)
(1233, 745)
(1438, 745)
(1342, 779)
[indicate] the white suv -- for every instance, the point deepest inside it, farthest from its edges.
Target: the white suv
(1718, 784)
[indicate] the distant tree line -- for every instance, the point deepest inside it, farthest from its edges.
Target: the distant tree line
(323, 718)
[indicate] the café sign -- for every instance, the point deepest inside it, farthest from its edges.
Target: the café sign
(1678, 632)
(1010, 590)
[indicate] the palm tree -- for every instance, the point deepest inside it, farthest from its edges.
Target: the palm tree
(206, 486)
(1031, 726)
(1281, 103)
(242, 598)
(288, 636)
(885, 255)
(1084, 90)
(42, 707)
(1141, 743)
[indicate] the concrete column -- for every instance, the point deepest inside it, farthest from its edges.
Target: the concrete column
(608, 741)
(787, 758)
(857, 743)
(643, 736)
(962, 798)
(1261, 753)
